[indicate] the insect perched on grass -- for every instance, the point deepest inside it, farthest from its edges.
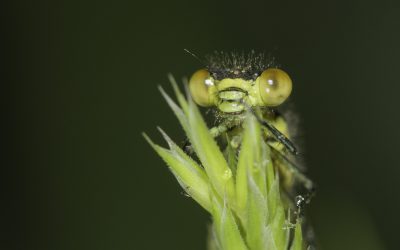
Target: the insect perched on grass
(243, 170)
(234, 83)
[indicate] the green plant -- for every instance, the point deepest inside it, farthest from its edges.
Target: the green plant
(242, 193)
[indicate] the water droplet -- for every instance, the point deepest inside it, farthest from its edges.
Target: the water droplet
(227, 174)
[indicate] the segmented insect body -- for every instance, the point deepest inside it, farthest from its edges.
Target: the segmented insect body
(234, 85)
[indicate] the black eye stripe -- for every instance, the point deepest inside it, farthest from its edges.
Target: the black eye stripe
(234, 89)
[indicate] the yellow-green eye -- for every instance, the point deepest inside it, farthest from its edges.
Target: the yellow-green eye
(275, 86)
(199, 84)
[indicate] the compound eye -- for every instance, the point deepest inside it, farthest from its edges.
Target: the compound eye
(275, 86)
(199, 84)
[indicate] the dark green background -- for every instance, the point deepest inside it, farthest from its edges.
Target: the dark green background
(81, 86)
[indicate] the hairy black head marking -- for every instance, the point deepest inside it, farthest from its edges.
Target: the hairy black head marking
(238, 65)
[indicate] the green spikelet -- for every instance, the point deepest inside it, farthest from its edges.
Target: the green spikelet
(242, 195)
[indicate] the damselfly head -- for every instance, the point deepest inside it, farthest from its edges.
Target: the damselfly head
(233, 81)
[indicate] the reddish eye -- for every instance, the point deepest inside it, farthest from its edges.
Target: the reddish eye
(275, 86)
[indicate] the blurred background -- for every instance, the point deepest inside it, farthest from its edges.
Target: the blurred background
(81, 86)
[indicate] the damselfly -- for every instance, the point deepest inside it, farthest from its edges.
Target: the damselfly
(245, 174)
(235, 84)
(232, 84)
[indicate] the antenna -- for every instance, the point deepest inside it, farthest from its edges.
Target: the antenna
(195, 56)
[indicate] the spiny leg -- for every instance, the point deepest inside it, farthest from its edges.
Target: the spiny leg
(307, 186)
(277, 134)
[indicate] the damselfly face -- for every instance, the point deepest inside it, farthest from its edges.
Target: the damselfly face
(233, 82)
